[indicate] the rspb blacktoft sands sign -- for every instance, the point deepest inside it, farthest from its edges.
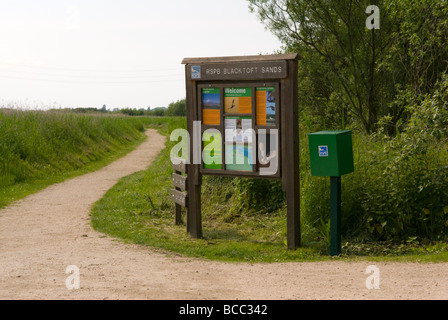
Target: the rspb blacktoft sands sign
(238, 71)
(242, 121)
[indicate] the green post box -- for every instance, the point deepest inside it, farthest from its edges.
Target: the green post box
(331, 154)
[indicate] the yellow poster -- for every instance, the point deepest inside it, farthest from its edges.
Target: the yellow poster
(211, 106)
(261, 107)
(211, 116)
(265, 106)
(238, 100)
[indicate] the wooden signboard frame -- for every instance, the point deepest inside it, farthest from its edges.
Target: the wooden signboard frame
(253, 72)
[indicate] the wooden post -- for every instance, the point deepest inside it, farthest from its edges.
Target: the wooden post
(335, 216)
(290, 149)
(178, 214)
(194, 221)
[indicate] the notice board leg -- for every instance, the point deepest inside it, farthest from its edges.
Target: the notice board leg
(194, 225)
(290, 156)
(178, 214)
(194, 208)
(293, 204)
(335, 216)
(293, 221)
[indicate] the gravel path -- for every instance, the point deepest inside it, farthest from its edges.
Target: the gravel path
(47, 232)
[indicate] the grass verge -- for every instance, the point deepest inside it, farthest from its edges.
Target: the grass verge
(138, 209)
(38, 148)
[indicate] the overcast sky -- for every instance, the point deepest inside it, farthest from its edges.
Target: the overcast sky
(121, 53)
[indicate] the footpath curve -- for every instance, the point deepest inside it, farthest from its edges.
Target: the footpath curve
(43, 234)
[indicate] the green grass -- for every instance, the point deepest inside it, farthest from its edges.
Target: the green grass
(39, 148)
(138, 209)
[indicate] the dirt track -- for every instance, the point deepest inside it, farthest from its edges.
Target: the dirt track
(45, 233)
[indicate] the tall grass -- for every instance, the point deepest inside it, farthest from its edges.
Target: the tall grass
(39, 147)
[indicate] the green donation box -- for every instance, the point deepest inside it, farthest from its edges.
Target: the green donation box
(331, 154)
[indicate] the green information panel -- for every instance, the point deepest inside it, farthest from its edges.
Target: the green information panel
(212, 154)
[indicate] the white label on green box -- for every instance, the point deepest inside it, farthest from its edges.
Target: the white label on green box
(323, 151)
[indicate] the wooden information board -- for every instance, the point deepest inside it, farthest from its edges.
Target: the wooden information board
(247, 108)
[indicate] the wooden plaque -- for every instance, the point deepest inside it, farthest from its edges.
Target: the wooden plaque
(180, 197)
(179, 181)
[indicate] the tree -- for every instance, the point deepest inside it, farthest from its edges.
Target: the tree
(158, 112)
(338, 50)
(350, 72)
(178, 108)
(417, 58)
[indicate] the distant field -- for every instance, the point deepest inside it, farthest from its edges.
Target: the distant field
(38, 148)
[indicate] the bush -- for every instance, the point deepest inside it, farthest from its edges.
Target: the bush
(400, 185)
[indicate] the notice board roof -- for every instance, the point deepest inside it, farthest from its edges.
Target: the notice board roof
(260, 58)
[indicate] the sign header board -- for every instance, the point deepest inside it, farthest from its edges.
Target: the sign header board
(238, 71)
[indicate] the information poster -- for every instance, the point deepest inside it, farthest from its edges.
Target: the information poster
(268, 152)
(238, 100)
(238, 143)
(211, 100)
(212, 154)
(266, 106)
